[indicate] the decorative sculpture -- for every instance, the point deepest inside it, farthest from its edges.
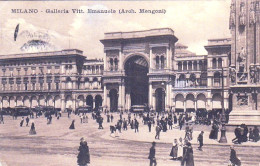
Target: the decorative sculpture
(242, 15)
(232, 16)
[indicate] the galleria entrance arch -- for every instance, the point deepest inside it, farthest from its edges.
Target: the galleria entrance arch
(135, 65)
(136, 81)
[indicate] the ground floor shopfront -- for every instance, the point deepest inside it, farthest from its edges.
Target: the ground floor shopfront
(61, 100)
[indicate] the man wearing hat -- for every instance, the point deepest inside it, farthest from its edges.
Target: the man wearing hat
(233, 157)
(152, 155)
(200, 140)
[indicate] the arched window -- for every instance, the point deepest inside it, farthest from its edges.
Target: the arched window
(214, 63)
(200, 65)
(111, 62)
(189, 65)
(69, 83)
(205, 65)
(157, 62)
(116, 64)
(219, 63)
(203, 79)
(216, 79)
(179, 66)
(184, 66)
(195, 65)
(95, 83)
(162, 62)
(93, 69)
(182, 81)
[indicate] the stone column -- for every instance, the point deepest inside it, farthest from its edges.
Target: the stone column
(195, 105)
(184, 102)
(168, 58)
(150, 94)
(108, 102)
(120, 97)
(170, 94)
(63, 103)
(120, 60)
(74, 101)
(94, 103)
(154, 102)
(167, 96)
(105, 96)
(123, 96)
(151, 58)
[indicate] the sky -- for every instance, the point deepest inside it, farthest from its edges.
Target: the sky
(194, 22)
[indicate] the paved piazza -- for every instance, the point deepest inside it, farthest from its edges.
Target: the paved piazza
(56, 145)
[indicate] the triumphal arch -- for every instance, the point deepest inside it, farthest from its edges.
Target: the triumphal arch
(138, 69)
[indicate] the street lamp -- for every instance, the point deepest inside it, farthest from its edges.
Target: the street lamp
(223, 138)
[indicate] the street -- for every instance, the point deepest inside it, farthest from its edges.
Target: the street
(56, 145)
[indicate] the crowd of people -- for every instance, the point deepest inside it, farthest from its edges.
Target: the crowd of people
(181, 149)
(242, 134)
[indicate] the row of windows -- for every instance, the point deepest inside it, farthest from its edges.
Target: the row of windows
(33, 80)
(217, 63)
(25, 87)
(35, 63)
(160, 62)
(189, 66)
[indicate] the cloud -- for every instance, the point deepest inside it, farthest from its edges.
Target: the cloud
(194, 22)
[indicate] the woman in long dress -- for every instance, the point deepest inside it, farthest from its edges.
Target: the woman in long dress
(32, 131)
(174, 150)
(180, 149)
(188, 156)
(72, 126)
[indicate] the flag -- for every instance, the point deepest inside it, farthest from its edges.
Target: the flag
(16, 32)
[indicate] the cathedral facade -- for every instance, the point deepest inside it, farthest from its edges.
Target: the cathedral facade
(245, 61)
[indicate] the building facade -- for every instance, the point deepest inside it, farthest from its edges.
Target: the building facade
(63, 79)
(245, 61)
(148, 68)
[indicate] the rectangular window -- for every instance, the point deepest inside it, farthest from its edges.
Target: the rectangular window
(41, 86)
(49, 86)
(57, 86)
(33, 86)
(25, 87)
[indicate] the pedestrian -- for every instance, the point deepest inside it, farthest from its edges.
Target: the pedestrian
(27, 121)
(157, 130)
(188, 158)
(180, 149)
(237, 133)
(151, 156)
(136, 126)
(149, 125)
(108, 118)
(111, 117)
(81, 118)
(72, 126)
(180, 123)
(132, 124)
(100, 122)
(200, 140)
(86, 118)
(174, 150)
(83, 156)
(233, 157)
(170, 124)
(175, 118)
(21, 123)
(32, 131)
(125, 124)
(255, 134)
(2, 119)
